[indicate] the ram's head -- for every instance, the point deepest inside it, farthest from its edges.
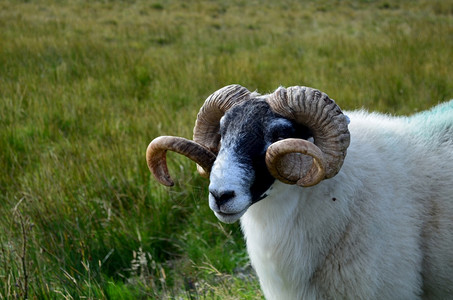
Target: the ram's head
(244, 141)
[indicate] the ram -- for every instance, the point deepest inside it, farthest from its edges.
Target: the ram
(376, 223)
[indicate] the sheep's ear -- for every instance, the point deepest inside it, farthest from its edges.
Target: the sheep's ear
(348, 120)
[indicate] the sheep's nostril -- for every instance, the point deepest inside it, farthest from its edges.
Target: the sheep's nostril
(222, 197)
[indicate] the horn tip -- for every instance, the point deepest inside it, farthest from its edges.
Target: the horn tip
(165, 180)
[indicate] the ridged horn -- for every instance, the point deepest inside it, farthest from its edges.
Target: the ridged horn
(329, 126)
(292, 169)
(156, 156)
(206, 130)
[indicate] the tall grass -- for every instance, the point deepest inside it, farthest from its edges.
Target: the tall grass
(85, 85)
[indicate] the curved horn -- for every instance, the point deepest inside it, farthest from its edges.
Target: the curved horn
(157, 159)
(207, 125)
(294, 169)
(324, 118)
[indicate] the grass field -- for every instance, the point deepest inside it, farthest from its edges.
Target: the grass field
(86, 85)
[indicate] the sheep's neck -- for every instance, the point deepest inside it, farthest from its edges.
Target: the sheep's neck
(288, 221)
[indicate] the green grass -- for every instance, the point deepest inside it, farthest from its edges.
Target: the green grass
(86, 85)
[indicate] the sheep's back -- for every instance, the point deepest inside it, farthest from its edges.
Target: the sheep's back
(417, 154)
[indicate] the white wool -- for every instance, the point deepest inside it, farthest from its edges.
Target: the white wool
(382, 228)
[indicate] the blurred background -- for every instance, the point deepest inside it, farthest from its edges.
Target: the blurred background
(86, 85)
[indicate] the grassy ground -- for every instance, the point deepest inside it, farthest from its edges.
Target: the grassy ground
(85, 85)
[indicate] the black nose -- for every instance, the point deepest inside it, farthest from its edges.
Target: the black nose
(222, 197)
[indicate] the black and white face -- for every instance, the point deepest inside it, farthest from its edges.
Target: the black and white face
(239, 176)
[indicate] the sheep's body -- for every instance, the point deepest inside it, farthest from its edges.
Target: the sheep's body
(382, 228)
(376, 225)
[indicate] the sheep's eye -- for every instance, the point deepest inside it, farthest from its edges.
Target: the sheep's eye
(280, 129)
(280, 134)
(276, 138)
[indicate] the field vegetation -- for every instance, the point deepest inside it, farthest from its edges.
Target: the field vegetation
(86, 85)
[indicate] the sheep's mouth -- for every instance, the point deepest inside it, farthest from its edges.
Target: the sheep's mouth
(229, 217)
